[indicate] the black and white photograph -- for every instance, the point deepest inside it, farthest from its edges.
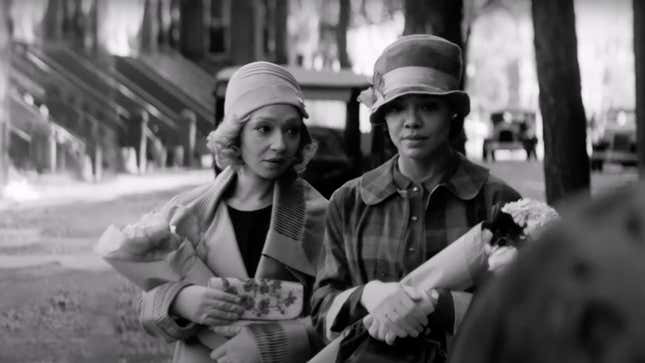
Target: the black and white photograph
(322, 181)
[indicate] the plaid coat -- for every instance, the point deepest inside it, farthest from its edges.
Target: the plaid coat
(381, 226)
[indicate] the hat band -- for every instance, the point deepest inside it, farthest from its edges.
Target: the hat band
(415, 76)
(261, 96)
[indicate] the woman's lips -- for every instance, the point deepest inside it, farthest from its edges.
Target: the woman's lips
(275, 162)
(414, 138)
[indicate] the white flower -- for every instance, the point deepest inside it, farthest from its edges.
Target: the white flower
(530, 214)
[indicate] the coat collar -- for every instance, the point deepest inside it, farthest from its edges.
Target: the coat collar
(294, 204)
(464, 181)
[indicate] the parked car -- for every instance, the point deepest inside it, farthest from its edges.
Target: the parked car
(512, 129)
(614, 139)
(339, 157)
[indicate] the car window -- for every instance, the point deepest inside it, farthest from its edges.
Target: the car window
(326, 113)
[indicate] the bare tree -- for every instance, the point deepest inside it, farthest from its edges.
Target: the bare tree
(639, 63)
(344, 18)
(566, 163)
(5, 48)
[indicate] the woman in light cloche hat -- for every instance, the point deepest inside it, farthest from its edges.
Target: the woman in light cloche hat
(258, 222)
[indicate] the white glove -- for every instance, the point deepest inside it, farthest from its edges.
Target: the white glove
(376, 292)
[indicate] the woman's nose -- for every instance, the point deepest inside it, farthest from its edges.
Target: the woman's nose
(277, 141)
(412, 119)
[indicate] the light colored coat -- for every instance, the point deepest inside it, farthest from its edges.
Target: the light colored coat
(290, 253)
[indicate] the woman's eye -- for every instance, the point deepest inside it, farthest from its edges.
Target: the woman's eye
(263, 129)
(429, 106)
(396, 108)
(294, 131)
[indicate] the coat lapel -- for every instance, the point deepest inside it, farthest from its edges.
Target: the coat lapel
(284, 241)
(217, 245)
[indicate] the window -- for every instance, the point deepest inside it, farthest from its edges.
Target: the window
(219, 26)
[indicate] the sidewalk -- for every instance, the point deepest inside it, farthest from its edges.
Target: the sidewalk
(56, 191)
(52, 220)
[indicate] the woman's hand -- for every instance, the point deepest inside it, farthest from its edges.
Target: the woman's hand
(207, 305)
(402, 314)
(241, 348)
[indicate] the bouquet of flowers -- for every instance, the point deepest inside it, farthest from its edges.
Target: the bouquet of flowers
(150, 253)
(512, 225)
(490, 244)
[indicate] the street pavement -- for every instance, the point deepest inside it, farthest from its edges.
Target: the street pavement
(58, 223)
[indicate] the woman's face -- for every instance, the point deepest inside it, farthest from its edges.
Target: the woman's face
(270, 140)
(419, 125)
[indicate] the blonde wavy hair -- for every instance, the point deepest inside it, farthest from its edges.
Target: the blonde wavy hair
(224, 142)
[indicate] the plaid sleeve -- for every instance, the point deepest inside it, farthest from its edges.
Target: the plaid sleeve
(335, 302)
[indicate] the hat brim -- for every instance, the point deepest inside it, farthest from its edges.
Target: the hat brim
(459, 100)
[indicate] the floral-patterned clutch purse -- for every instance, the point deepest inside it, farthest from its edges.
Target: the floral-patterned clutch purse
(267, 299)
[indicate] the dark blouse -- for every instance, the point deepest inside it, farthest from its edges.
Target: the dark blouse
(251, 229)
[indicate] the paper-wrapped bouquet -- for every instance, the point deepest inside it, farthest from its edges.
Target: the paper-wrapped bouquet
(456, 267)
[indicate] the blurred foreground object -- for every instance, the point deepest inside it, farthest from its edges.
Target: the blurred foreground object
(575, 295)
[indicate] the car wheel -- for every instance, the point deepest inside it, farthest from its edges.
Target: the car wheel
(596, 165)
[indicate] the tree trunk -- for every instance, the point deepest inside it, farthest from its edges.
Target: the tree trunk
(149, 27)
(439, 17)
(5, 48)
(73, 23)
(281, 16)
(344, 18)
(191, 33)
(639, 65)
(53, 22)
(443, 18)
(566, 163)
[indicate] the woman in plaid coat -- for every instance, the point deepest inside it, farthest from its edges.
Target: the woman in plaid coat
(384, 224)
